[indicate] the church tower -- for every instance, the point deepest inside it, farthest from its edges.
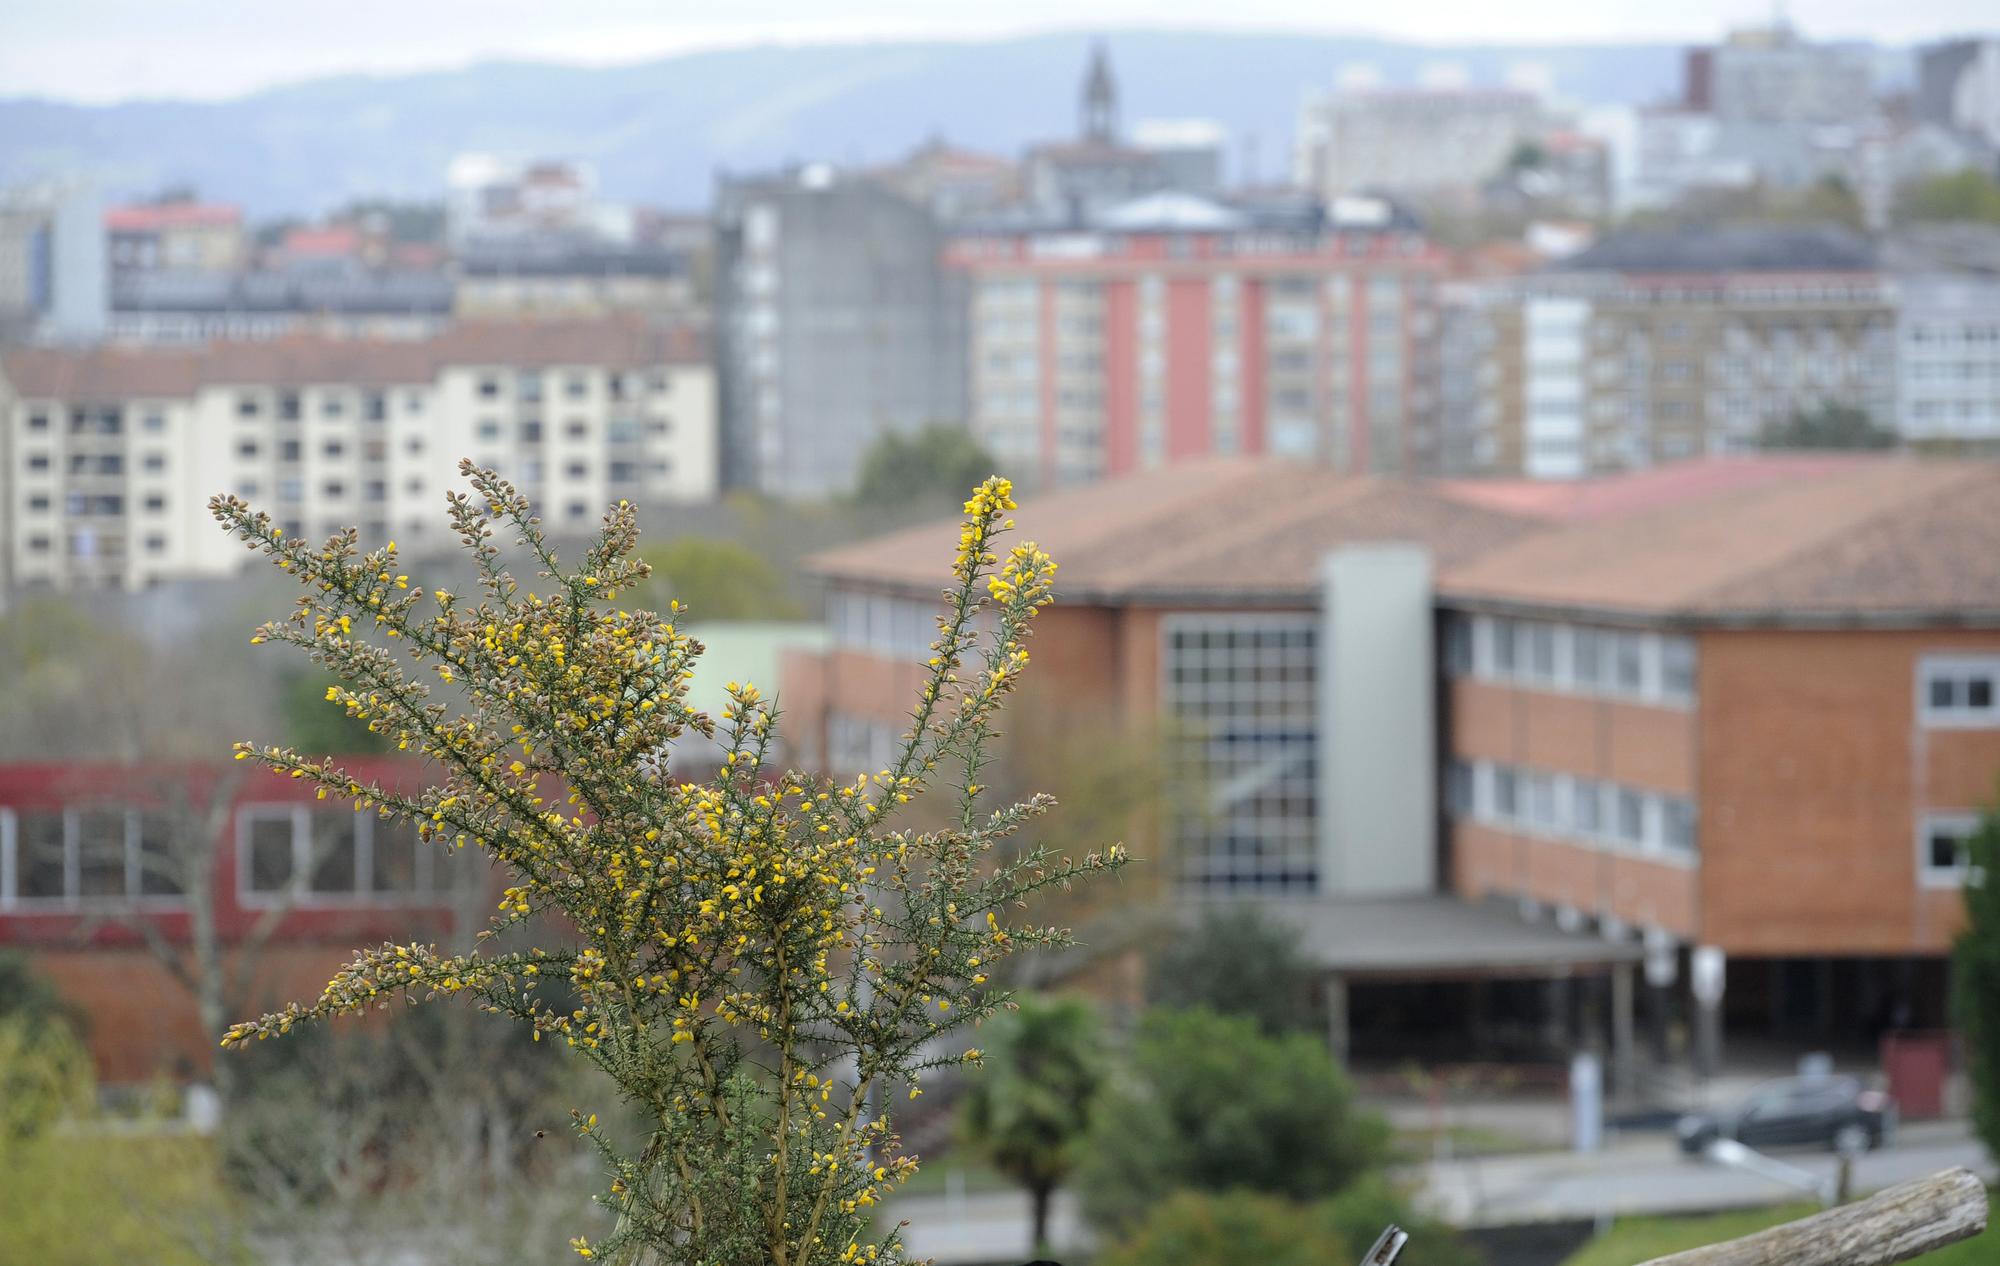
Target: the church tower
(1100, 100)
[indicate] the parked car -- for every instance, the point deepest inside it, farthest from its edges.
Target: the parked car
(1831, 1111)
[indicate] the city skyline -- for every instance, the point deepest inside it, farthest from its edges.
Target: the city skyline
(114, 51)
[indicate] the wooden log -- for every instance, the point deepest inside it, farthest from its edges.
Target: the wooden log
(1892, 1226)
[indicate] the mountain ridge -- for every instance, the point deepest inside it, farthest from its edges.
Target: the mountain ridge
(659, 130)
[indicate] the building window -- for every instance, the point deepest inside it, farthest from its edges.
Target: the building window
(1944, 855)
(325, 856)
(156, 543)
(38, 420)
(38, 461)
(1959, 691)
(334, 448)
(489, 387)
(86, 854)
(531, 431)
(576, 428)
(288, 406)
(1241, 694)
(489, 428)
(39, 503)
(155, 503)
(576, 386)
(375, 406)
(248, 406)
(155, 463)
(248, 448)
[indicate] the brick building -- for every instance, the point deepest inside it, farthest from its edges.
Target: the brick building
(94, 864)
(1516, 739)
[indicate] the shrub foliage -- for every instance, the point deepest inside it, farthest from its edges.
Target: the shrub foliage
(755, 958)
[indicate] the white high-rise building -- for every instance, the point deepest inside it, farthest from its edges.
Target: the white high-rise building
(108, 455)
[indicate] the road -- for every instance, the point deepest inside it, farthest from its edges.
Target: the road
(1643, 1174)
(1638, 1174)
(986, 1226)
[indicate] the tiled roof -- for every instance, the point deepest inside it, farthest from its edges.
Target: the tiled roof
(1230, 529)
(1855, 539)
(1822, 537)
(114, 372)
(171, 215)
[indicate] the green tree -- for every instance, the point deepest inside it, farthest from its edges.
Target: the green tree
(1030, 1110)
(716, 579)
(1975, 970)
(1198, 1228)
(1829, 426)
(1212, 1105)
(28, 996)
(934, 464)
(1236, 962)
(309, 723)
(1970, 194)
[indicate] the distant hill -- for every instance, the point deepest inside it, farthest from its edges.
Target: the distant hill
(659, 130)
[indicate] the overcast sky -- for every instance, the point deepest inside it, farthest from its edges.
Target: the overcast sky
(111, 50)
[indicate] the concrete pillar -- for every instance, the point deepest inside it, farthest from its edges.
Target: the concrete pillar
(1706, 970)
(1624, 1055)
(1336, 1018)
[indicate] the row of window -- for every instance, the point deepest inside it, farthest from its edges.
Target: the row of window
(1563, 806)
(100, 855)
(898, 628)
(1583, 659)
(1959, 691)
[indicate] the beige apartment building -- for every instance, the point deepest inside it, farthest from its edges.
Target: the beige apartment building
(108, 455)
(1655, 347)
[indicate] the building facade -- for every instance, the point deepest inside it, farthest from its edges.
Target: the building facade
(96, 867)
(1411, 141)
(175, 237)
(836, 323)
(1738, 712)
(1174, 327)
(112, 453)
(1654, 347)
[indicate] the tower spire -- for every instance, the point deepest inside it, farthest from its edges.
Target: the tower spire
(1100, 99)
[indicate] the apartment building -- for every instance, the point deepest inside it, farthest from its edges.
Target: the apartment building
(1657, 346)
(1730, 716)
(1427, 141)
(111, 453)
(1947, 280)
(1175, 326)
(836, 323)
(175, 237)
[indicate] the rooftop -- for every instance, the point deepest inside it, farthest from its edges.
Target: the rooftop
(1230, 529)
(112, 372)
(1785, 539)
(172, 215)
(1789, 538)
(1728, 248)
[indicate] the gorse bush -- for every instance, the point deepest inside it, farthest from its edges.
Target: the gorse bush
(758, 959)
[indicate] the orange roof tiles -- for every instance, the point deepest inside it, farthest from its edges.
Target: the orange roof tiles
(1796, 536)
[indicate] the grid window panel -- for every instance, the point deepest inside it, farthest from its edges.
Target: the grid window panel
(1240, 692)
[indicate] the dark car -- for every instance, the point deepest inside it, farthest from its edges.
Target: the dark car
(1830, 1111)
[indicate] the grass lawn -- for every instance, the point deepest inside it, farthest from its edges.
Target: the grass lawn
(1634, 1240)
